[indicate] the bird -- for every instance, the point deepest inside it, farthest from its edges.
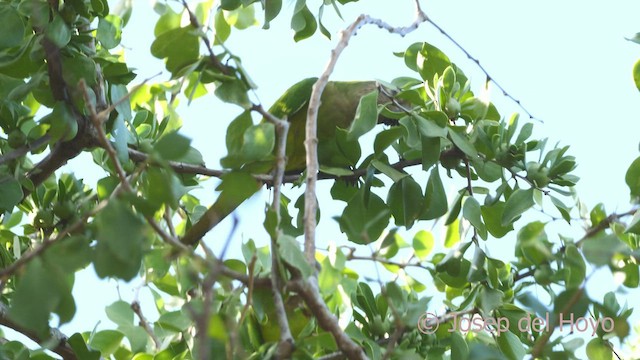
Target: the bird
(338, 106)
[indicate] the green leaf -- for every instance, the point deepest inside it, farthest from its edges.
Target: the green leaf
(575, 267)
(492, 216)
(79, 67)
(11, 27)
(477, 272)
(511, 346)
(636, 74)
(10, 192)
(106, 341)
(388, 170)
(635, 38)
(631, 275)
(632, 178)
(289, 250)
(167, 21)
(423, 244)
(63, 124)
(175, 321)
(271, 10)
(571, 304)
(453, 234)
(222, 28)
(236, 130)
(43, 288)
(532, 243)
(235, 92)
(461, 141)
(242, 17)
(427, 59)
(58, 32)
(386, 137)
(597, 214)
(366, 116)
(564, 210)
(471, 211)
(70, 255)
(163, 187)
(180, 47)
(304, 24)
(101, 7)
(172, 146)
(230, 4)
(435, 197)
(430, 151)
(459, 347)
(120, 312)
(364, 221)
(600, 250)
(405, 201)
(429, 128)
(633, 227)
(36, 10)
(109, 31)
(76, 341)
(137, 336)
(121, 235)
(519, 202)
(258, 142)
(323, 29)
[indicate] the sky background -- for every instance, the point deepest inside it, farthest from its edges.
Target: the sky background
(567, 62)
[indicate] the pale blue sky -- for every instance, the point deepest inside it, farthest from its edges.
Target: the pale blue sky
(567, 61)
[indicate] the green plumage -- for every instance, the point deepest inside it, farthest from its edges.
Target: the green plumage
(338, 106)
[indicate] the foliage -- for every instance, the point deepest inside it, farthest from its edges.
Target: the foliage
(65, 88)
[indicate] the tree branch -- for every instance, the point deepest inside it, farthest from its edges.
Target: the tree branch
(311, 140)
(61, 346)
(308, 289)
(212, 56)
(285, 345)
(23, 150)
(135, 306)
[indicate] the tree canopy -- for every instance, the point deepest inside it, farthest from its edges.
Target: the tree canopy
(421, 154)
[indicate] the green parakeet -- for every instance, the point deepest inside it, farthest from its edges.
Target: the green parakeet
(339, 103)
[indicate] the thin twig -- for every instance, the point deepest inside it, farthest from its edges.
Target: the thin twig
(202, 319)
(470, 190)
(46, 243)
(167, 219)
(538, 347)
(603, 224)
(251, 268)
(97, 119)
(24, 149)
(489, 77)
(196, 25)
(135, 306)
(285, 345)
